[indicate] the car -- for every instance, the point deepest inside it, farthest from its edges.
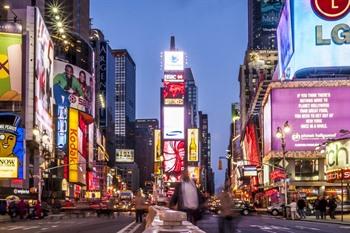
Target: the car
(346, 207)
(275, 209)
(242, 207)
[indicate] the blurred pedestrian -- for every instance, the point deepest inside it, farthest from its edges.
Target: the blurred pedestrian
(301, 207)
(139, 206)
(226, 213)
(323, 207)
(12, 209)
(317, 207)
(38, 210)
(187, 197)
(22, 209)
(332, 204)
(293, 209)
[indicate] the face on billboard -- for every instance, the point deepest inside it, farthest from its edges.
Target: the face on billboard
(12, 155)
(173, 60)
(321, 37)
(10, 61)
(73, 87)
(192, 145)
(173, 123)
(314, 114)
(174, 153)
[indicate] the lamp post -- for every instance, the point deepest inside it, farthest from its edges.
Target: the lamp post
(281, 134)
(8, 8)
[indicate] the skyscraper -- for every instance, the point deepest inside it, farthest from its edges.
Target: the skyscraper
(192, 98)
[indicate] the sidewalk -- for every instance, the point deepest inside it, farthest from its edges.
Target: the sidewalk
(346, 219)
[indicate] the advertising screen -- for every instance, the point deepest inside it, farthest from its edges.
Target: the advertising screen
(179, 77)
(173, 123)
(338, 155)
(267, 126)
(270, 12)
(10, 61)
(320, 30)
(249, 171)
(173, 93)
(192, 145)
(157, 145)
(194, 172)
(44, 56)
(173, 60)
(12, 147)
(174, 153)
(285, 37)
(73, 155)
(251, 146)
(314, 114)
(124, 156)
(73, 87)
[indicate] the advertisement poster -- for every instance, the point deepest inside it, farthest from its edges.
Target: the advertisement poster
(10, 61)
(157, 145)
(44, 55)
(174, 125)
(124, 156)
(174, 61)
(173, 93)
(73, 155)
(174, 153)
(192, 145)
(73, 87)
(314, 115)
(12, 147)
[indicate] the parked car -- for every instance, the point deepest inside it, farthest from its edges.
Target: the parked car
(275, 209)
(346, 207)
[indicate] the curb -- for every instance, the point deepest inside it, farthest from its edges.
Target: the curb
(331, 222)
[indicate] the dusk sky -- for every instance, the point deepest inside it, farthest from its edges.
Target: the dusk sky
(213, 34)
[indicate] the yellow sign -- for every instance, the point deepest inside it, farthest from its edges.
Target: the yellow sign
(157, 151)
(173, 101)
(8, 167)
(192, 145)
(194, 172)
(73, 145)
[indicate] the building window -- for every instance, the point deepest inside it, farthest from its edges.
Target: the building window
(306, 168)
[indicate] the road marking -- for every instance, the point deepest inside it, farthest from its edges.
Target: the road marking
(307, 228)
(345, 227)
(126, 227)
(29, 228)
(135, 228)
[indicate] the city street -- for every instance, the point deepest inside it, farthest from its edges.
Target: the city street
(264, 223)
(73, 225)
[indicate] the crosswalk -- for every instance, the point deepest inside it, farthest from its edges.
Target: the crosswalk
(131, 228)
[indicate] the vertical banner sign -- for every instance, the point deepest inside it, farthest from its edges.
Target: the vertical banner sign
(73, 145)
(157, 151)
(192, 145)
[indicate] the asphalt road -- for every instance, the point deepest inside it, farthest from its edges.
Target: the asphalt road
(73, 225)
(269, 224)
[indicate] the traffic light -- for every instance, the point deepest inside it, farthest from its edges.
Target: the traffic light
(220, 165)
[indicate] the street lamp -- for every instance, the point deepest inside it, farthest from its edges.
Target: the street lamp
(281, 134)
(7, 7)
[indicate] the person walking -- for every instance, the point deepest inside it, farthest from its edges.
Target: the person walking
(139, 206)
(317, 207)
(293, 209)
(226, 212)
(301, 208)
(38, 210)
(323, 207)
(22, 209)
(332, 204)
(187, 197)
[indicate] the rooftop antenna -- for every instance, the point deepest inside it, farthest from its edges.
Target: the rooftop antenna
(172, 43)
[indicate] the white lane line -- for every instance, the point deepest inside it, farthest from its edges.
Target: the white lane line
(135, 228)
(345, 227)
(307, 228)
(126, 227)
(14, 228)
(29, 228)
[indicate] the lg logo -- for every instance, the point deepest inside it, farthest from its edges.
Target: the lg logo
(331, 9)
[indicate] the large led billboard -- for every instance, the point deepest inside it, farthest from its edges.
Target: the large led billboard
(73, 150)
(157, 145)
(192, 145)
(338, 155)
(314, 114)
(193, 172)
(44, 56)
(173, 60)
(12, 147)
(320, 38)
(173, 93)
(10, 61)
(173, 118)
(124, 156)
(173, 164)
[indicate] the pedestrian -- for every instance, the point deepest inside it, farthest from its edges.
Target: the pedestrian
(332, 204)
(301, 207)
(293, 209)
(226, 212)
(317, 207)
(38, 210)
(187, 197)
(139, 206)
(22, 208)
(12, 209)
(323, 207)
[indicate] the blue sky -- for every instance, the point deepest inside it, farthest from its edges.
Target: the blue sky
(213, 33)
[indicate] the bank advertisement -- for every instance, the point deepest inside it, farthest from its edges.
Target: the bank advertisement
(10, 61)
(44, 56)
(314, 114)
(173, 164)
(321, 39)
(12, 147)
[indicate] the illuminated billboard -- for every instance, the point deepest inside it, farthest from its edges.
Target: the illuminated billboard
(124, 156)
(338, 155)
(193, 172)
(12, 147)
(173, 60)
(173, 164)
(10, 61)
(173, 123)
(177, 77)
(192, 145)
(73, 155)
(314, 114)
(157, 145)
(173, 93)
(320, 38)
(44, 56)
(73, 87)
